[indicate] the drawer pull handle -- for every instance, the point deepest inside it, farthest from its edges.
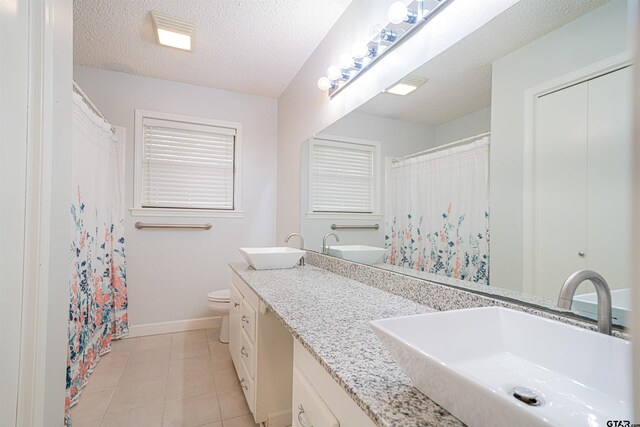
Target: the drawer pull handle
(243, 385)
(245, 319)
(300, 414)
(235, 304)
(243, 351)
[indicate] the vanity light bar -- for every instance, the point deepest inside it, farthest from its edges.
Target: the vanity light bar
(173, 32)
(383, 39)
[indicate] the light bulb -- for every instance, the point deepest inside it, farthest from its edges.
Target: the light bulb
(359, 49)
(334, 72)
(366, 61)
(397, 12)
(374, 31)
(324, 83)
(346, 61)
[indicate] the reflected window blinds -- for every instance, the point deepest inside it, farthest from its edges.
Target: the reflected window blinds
(342, 176)
(187, 165)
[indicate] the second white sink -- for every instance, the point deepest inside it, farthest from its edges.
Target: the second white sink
(473, 361)
(357, 253)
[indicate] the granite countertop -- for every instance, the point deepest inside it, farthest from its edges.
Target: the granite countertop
(329, 315)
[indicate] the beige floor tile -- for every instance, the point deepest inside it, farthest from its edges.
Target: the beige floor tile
(149, 356)
(137, 395)
(103, 378)
(150, 416)
(243, 421)
(153, 342)
(226, 379)
(216, 347)
(233, 404)
(213, 334)
(189, 349)
(144, 372)
(124, 345)
(188, 337)
(181, 388)
(221, 361)
(114, 359)
(184, 368)
(191, 412)
(79, 421)
(218, 424)
(91, 404)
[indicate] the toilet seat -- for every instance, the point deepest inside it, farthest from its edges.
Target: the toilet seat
(219, 296)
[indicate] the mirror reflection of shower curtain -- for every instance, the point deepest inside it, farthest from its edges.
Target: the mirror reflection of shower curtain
(97, 289)
(437, 212)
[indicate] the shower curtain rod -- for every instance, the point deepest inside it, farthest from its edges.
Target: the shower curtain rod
(441, 147)
(91, 105)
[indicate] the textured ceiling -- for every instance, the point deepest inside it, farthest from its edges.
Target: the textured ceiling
(459, 79)
(248, 46)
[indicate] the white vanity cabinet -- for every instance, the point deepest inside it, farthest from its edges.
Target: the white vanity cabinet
(262, 353)
(318, 400)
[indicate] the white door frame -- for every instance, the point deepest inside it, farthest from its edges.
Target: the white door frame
(38, 187)
(531, 96)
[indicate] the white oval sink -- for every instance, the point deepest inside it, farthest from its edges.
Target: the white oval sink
(357, 253)
(272, 258)
(469, 362)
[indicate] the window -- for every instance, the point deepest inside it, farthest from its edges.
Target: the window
(186, 166)
(343, 176)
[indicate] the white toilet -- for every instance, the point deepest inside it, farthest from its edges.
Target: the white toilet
(218, 301)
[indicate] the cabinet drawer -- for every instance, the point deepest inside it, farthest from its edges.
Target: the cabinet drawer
(248, 387)
(308, 407)
(235, 311)
(247, 354)
(248, 320)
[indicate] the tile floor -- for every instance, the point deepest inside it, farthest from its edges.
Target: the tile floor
(184, 379)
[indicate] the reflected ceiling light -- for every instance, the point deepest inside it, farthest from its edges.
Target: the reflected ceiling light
(173, 32)
(406, 85)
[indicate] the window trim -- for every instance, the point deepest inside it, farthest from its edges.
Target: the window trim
(139, 210)
(377, 171)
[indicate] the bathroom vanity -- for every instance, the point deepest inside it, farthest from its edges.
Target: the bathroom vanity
(305, 354)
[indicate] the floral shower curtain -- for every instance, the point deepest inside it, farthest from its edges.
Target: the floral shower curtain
(437, 212)
(97, 290)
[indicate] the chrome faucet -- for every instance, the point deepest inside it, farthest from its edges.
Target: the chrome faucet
(325, 248)
(286, 239)
(565, 300)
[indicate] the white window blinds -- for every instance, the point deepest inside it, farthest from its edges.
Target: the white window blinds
(187, 165)
(342, 176)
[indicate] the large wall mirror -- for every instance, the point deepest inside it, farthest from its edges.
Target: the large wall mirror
(506, 171)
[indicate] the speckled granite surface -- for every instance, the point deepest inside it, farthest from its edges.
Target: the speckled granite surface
(435, 295)
(329, 315)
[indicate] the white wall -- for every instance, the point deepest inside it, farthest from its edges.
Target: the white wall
(14, 87)
(304, 110)
(591, 38)
(169, 272)
(397, 138)
(464, 127)
(635, 253)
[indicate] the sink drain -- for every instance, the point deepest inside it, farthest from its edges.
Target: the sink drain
(527, 396)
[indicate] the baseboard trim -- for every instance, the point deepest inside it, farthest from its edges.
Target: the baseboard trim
(174, 326)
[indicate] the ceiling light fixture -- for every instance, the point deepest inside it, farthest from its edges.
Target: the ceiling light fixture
(404, 20)
(173, 32)
(406, 85)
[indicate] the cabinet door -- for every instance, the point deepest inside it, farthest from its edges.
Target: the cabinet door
(610, 177)
(308, 407)
(235, 309)
(561, 187)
